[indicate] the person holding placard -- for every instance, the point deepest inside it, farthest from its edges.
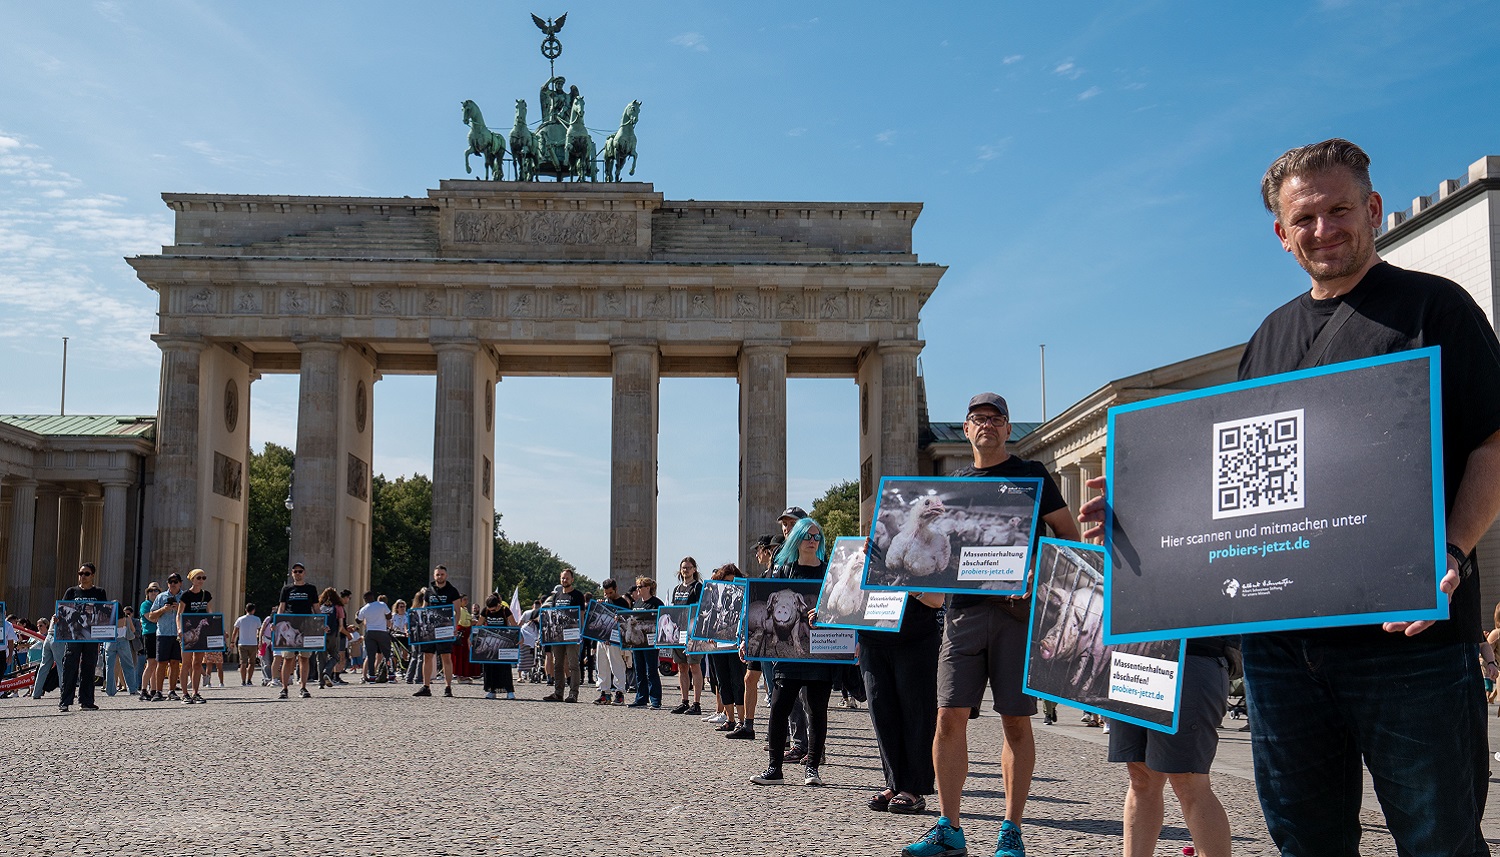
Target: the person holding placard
(566, 674)
(439, 593)
(765, 549)
(298, 597)
(497, 677)
(647, 679)
(984, 643)
(195, 599)
(689, 590)
(611, 656)
(148, 636)
(900, 674)
(81, 658)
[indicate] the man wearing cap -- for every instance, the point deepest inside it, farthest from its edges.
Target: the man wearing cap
(984, 642)
(164, 612)
(80, 659)
(298, 597)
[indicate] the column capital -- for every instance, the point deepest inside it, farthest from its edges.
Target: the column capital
(124, 484)
(21, 482)
(178, 342)
(466, 344)
(749, 345)
(305, 344)
(618, 345)
(897, 346)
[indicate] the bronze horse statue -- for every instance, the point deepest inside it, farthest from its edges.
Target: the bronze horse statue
(621, 144)
(580, 145)
(522, 147)
(483, 141)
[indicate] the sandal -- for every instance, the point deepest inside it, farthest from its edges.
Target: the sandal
(903, 805)
(879, 802)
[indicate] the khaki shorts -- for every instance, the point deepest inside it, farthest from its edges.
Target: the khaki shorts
(983, 644)
(247, 654)
(681, 657)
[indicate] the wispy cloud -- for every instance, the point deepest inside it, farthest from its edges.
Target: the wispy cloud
(225, 159)
(1068, 69)
(60, 249)
(1013, 59)
(691, 41)
(796, 132)
(991, 151)
(885, 137)
(1089, 93)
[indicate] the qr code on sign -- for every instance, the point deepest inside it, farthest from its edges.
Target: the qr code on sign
(1258, 465)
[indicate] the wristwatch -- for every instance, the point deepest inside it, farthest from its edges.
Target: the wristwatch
(1465, 562)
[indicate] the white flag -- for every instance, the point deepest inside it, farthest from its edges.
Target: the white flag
(515, 605)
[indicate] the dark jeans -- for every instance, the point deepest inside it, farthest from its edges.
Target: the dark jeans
(1415, 713)
(86, 656)
(783, 700)
(731, 677)
(647, 678)
(901, 682)
(799, 715)
(497, 679)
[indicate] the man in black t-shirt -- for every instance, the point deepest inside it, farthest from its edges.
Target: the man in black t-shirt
(984, 643)
(566, 675)
(298, 597)
(440, 593)
(80, 659)
(1322, 701)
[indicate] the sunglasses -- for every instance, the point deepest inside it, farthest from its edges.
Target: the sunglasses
(813, 537)
(85, 574)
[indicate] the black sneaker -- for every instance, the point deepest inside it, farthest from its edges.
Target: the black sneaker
(187, 699)
(681, 709)
(62, 707)
(743, 732)
(305, 694)
(695, 709)
(772, 777)
(199, 700)
(639, 703)
(794, 756)
(172, 696)
(425, 691)
(812, 778)
(157, 697)
(87, 707)
(281, 695)
(448, 691)
(619, 698)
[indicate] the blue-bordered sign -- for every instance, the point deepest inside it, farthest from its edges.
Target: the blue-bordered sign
(1066, 659)
(601, 622)
(430, 626)
(720, 614)
(953, 534)
(494, 644)
(637, 629)
(673, 623)
(1305, 500)
(843, 602)
(299, 632)
(560, 626)
(85, 621)
(202, 632)
(697, 646)
(777, 628)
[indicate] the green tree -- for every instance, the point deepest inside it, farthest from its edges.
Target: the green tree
(532, 567)
(267, 538)
(838, 511)
(400, 534)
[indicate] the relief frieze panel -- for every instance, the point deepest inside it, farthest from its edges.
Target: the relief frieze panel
(544, 227)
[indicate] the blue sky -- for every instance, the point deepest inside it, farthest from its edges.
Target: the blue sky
(1089, 172)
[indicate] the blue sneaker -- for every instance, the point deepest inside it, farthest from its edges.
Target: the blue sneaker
(943, 840)
(1010, 841)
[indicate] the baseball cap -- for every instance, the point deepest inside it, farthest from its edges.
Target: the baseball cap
(761, 542)
(174, 577)
(993, 400)
(792, 512)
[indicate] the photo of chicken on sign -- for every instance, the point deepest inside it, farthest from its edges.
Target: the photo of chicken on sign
(937, 534)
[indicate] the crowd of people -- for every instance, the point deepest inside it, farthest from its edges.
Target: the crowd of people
(1320, 703)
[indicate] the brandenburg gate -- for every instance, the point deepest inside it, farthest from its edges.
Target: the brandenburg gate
(484, 279)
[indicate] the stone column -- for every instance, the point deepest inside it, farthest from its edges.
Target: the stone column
(44, 552)
(453, 476)
(174, 540)
(111, 555)
(898, 408)
(69, 540)
(93, 525)
(1067, 483)
(1087, 469)
(762, 376)
(636, 371)
(22, 533)
(316, 471)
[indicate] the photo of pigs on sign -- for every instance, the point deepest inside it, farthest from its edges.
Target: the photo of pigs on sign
(1067, 660)
(777, 626)
(947, 534)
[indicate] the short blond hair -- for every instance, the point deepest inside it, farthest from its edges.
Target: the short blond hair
(646, 581)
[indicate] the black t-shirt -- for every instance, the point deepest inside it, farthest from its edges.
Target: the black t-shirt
(568, 599)
(500, 615)
(442, 596)
(620, 602)
(196, 602)
(301, 598)
(1014, 468)
(650, 603)
(84, 593)
(687, 593)
(1399, 310)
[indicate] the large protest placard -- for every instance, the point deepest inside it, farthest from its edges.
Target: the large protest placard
(494, 644)
(843, 602)
(560, 626)
(202, 632)
(428, 626)
(86, 621)
(600, 622)
(1067, 660)
(637, 629)
(946, 534)
(672, 626)
(721, 609)
(777, 627)
(300, 632)
(1304, 500)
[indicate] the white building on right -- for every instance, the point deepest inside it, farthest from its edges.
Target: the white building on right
(1455, 233)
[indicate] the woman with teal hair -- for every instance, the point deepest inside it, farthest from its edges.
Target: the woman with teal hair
(802, 557)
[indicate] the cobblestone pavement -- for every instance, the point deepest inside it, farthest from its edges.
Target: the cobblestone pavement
(367, 769)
